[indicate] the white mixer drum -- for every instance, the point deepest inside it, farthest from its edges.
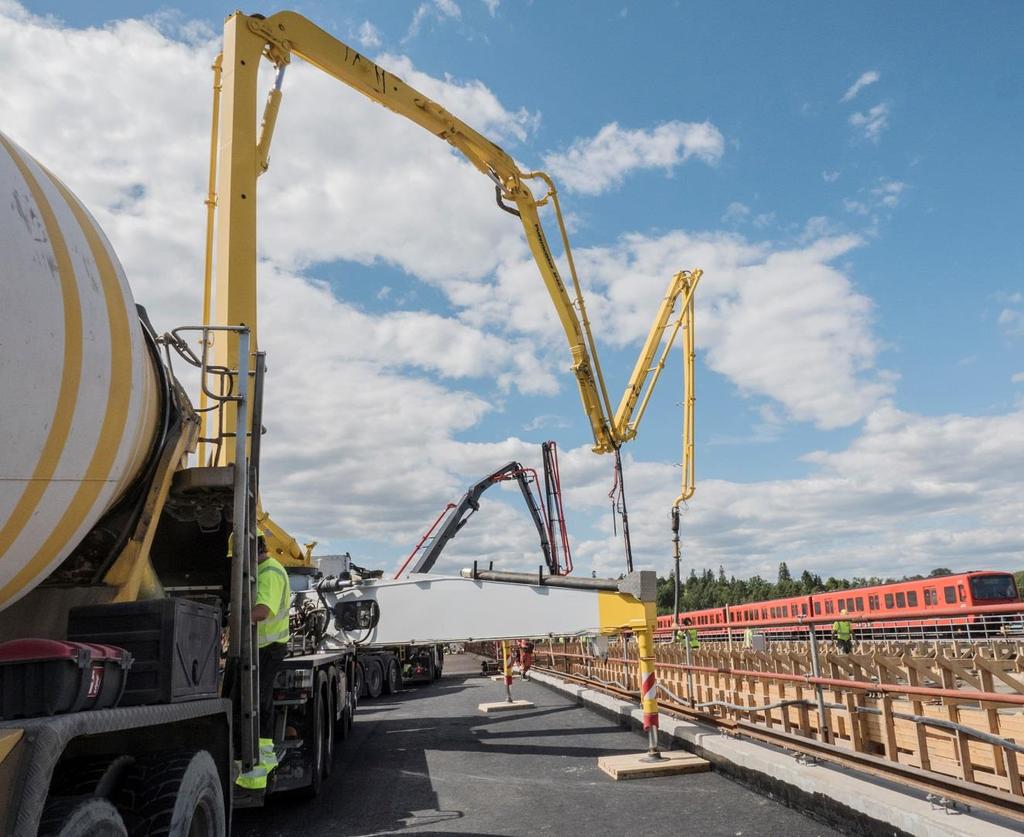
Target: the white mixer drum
(79, 390)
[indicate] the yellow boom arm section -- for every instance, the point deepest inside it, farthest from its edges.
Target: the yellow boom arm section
(243, 155)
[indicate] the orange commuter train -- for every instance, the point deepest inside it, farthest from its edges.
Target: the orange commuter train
(927, 601)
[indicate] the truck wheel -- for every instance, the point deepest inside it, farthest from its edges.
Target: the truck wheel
(359, 681)
(175, 794)
(328, 728)
(89, 816)
(316, 741)
(374, 680)
(393, 680)
(344, 725)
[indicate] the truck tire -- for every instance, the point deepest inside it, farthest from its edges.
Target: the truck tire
(176, 794)
(316, 742)
(374, 679)
(393, 678)
(344, 725)
(327, 697)
(359, 681)
(84, 816)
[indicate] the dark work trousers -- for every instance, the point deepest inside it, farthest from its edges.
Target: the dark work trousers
(271, 657)
(845, 645)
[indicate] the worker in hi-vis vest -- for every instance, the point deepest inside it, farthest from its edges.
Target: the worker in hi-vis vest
(688, 636)
(270, 615)
(842, 633)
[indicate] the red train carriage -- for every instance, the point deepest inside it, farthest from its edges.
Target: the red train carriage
(883, 606)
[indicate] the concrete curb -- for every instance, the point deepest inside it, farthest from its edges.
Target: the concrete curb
(846, 799)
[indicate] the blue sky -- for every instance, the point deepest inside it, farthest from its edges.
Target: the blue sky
(866, 177)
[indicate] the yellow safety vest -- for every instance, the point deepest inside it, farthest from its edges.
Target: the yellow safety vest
(274, 592)
(842, 630)
(689, 637)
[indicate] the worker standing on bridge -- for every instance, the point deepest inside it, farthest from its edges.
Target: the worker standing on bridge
(525, 656)
(842, 633)
(748, 638)
(688, 636)
(270, 614)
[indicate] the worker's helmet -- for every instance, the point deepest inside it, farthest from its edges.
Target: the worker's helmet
(842, 612)
(261, 542)
(687, 621)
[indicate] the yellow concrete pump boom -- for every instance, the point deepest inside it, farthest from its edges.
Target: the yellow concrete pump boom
(243, 155)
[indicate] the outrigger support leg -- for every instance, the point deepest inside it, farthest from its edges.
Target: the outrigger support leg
(507, 662)
(648, 691)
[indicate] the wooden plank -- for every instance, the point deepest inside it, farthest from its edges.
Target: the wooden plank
(855, 730)
(672, 763)
(891, 750)
(921, 732)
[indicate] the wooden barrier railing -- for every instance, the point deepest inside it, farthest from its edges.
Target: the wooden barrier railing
(960, 714)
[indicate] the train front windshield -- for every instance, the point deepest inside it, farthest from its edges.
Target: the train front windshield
(994, 588)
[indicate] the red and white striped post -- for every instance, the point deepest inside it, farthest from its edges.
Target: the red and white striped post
(648, 690)
(507, 658)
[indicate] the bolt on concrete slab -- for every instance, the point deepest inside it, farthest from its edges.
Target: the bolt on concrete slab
(425, 762)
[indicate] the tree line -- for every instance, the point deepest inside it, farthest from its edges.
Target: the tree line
(706, 589)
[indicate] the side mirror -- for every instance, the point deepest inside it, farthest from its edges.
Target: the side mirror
(359, 615)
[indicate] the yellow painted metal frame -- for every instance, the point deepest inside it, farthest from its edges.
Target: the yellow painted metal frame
(243, 155)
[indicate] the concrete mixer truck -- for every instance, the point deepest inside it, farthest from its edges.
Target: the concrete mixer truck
(122, 707)
(128, 665)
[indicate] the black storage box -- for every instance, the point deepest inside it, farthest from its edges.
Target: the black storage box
(50, 677)
(175, 643)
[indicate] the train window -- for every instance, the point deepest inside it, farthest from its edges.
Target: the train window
(889, 602)
(931, 596)
(949, 594)
(794, 610)
(803, 608)
(860, 603)
(873, 602)
(829, 609)
(817, 608)
(963, 596)
(849, 605)
(993, 588)
(901, 600)
(911, 598)
(764, 613)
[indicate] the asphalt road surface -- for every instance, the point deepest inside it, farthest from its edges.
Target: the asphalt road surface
(427, 762)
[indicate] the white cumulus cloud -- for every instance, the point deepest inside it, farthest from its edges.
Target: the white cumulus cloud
(437, 10)
(1011, 316)
(869, 77)
(872, 122)
(369, 35)
(594, 165)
